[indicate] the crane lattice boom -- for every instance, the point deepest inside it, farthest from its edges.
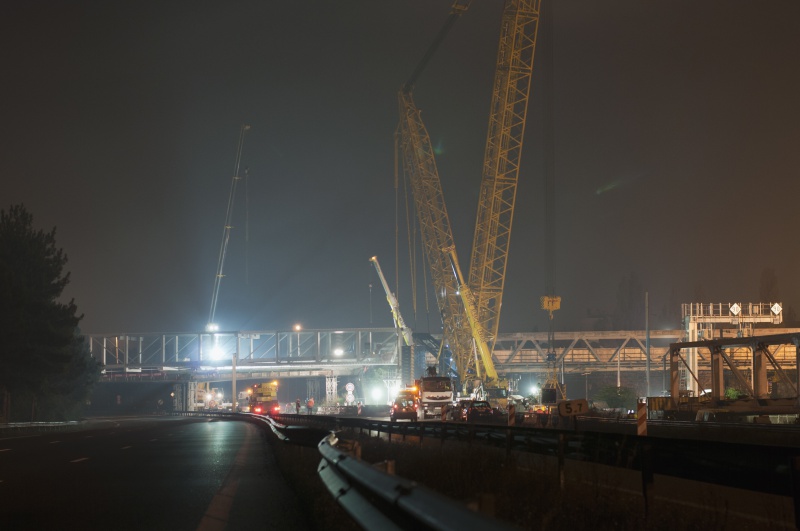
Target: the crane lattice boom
(399, 323)
(419, 165)
(473, 320)
(226, 230)
(501, 164)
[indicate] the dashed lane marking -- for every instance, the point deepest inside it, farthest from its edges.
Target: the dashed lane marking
(126, 447)
(79, 460)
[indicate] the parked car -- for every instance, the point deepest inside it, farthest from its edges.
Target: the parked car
(403, 408)
(480, 411)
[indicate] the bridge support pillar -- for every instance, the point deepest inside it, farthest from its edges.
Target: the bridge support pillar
(331, 389)
(760, 363)
(717, 374)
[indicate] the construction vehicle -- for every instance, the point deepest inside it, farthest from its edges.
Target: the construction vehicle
(264, 399)
(208, 397)
(471, 316)
(436, 393)
(243, 404)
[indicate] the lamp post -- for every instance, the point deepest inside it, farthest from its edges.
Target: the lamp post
(586, 384)
(297, 329)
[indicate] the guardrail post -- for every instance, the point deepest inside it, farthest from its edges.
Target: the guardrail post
(796, 489)
(646, 460)
(562, 443)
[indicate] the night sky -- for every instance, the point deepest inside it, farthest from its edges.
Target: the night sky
(676, 133)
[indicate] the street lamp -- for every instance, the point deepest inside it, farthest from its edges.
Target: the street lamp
(297, 329)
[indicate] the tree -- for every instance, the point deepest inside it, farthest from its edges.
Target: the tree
(618, 397)
(43, 360)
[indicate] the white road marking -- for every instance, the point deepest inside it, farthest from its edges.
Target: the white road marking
(54, 442)
(5, 449)
(126, 447)
(79, 460)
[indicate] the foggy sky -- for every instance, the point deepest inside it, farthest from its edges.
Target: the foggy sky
(675, 132)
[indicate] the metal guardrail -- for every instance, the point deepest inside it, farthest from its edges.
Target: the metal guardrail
(377, 500)
(767, 468)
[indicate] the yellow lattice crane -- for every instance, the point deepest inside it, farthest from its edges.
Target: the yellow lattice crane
(497, 193)
(419, 165)
(501, 163)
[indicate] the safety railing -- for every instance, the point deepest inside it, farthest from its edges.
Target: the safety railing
(377, 500)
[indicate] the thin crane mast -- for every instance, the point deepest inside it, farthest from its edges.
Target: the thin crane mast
(226, 229)
(419, 165)
(399, 323)
(498, 190)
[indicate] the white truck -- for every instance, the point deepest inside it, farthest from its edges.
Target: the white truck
(436, 393)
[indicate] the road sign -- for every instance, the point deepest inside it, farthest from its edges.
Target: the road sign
(570, 408)
(350, 387)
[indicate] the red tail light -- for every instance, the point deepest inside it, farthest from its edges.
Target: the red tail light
(276, 409)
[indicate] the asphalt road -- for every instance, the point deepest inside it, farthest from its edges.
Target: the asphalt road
(146, 473)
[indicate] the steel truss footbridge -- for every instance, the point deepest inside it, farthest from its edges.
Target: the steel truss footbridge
(275, 353)
(307, 353)
(191, 357)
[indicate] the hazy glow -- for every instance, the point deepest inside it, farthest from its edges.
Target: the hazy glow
(217, 353)
(377, 394)
(394, 389)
